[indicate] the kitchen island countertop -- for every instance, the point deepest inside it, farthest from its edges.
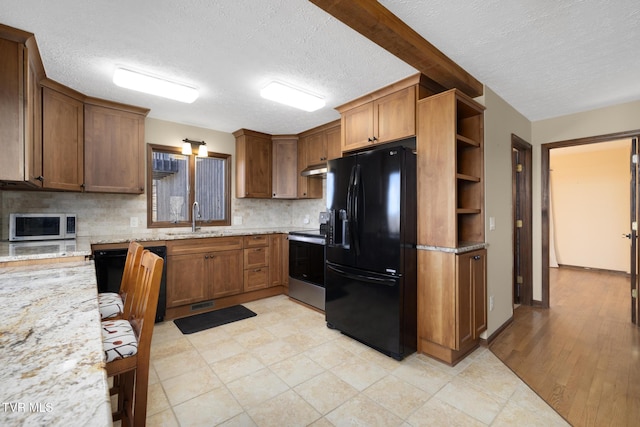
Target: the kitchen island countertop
(51, 357)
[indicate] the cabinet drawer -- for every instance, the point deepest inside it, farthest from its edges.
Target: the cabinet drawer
(256, 257)
(213, 244)
(256, 278)
(256, 241)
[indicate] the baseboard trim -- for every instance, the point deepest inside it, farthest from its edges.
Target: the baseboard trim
(486, 342)
(602, 270)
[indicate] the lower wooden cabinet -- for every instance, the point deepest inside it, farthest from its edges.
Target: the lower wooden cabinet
(256, 262)
(225, 273)
(452, 303)
(205, 274)
(203, 269)
(187, 279)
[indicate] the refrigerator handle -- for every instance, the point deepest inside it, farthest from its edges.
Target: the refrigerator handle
(351, 195)
(362, 277)
(357, 184)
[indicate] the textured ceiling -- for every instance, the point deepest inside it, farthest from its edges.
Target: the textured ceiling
(546, 58)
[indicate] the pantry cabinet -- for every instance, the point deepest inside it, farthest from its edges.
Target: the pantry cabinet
(452, 290)
(62, 137)
(113, 147)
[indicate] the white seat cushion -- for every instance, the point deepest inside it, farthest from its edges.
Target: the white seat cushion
(110, 304)
(118, 339)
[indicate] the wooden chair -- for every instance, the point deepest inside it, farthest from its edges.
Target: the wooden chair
(127, 342)
(112, 304)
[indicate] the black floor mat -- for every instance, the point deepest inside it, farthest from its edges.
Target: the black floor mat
(200, 322)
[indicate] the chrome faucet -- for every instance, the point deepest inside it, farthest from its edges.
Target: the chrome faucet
(195, 211)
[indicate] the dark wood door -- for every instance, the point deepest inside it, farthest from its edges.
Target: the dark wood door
(633, 234)
(522, 221)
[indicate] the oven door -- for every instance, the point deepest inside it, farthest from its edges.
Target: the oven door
(306, 272)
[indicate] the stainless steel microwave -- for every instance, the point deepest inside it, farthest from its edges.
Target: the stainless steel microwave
(47, 226)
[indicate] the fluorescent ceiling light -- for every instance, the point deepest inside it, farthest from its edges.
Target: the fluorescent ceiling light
(154, 85)
(291, 96)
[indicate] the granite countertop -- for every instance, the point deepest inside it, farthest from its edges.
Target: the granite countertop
(52, 361)
(461, 249)
(81, 247)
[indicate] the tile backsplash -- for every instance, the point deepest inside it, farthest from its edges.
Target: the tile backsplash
(110, 214)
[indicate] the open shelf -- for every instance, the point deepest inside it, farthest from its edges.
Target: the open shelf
(451, 166)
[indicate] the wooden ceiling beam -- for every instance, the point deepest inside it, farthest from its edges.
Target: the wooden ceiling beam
(378, 24)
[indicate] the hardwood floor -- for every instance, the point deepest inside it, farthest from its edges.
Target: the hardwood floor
(582, 356)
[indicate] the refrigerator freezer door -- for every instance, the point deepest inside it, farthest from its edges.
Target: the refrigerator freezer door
(366, 306)
(339, 189)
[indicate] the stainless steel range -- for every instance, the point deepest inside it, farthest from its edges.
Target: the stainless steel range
(306, 267)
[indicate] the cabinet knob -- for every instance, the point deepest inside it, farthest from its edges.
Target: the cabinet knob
(40, 178)
(477, 257)
(206, 257)
(375, 139)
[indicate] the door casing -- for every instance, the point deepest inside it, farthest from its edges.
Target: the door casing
(544, 166)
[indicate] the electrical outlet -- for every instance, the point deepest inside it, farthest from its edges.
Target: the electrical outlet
(306, 219)
(133, 222)
(491, 303)
(492, 223)
(237, 220)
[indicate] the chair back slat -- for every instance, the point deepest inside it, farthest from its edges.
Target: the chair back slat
(145, 296)
(129, 275)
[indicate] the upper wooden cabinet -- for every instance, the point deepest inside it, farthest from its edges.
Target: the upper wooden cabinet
(450, 170)
(308, 188)
(285, 166)
(334, 148)
(113, 147)
(20, 108)
(253, 164)
(316, 146)
(385, 115)
(62, 137)
(322, 143)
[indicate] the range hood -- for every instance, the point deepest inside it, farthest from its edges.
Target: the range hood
(315, 171)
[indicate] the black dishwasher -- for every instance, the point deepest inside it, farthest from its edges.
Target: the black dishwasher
(110, 265)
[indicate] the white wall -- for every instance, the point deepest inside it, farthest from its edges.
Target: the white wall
(590, 205)
(500, 121)
(109, 214)
(602, 121)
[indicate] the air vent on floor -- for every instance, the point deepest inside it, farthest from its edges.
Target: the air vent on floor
(201, 305)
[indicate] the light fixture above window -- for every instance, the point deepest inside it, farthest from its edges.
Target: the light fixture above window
(187, 147)
(154, 85)
(289, 95)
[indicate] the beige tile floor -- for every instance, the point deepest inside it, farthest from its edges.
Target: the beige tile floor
(284, 367)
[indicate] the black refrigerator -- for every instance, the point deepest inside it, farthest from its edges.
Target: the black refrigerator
(370, 275)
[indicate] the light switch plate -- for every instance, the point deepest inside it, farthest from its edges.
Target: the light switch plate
(492, 223)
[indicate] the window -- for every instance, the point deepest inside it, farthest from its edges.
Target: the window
(175, 181)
